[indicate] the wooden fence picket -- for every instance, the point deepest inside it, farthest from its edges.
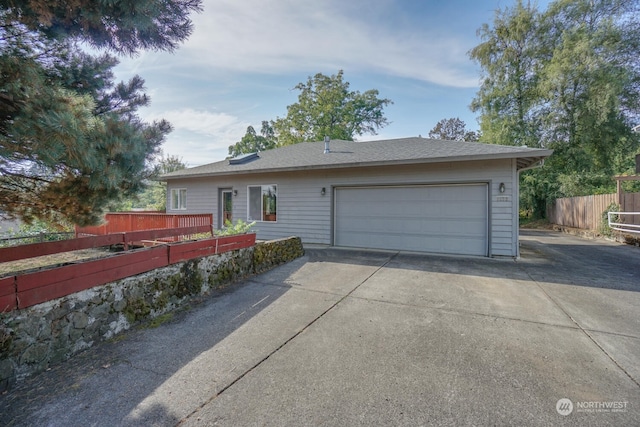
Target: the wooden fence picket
(586, 212)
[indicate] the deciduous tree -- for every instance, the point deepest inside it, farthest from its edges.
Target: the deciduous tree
(567, 78)
(154, 196)
(452, 129)
(252, 142)
(509, 56)
(326, 107)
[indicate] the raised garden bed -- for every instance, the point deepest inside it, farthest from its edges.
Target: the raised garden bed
(23, 289)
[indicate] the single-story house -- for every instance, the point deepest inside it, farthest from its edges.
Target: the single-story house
(410, 194)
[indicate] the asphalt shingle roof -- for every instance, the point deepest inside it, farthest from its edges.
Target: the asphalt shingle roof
(310, 155)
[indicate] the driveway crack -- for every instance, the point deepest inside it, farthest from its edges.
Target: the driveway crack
(461, 311)
(585, 331)
(294, 336)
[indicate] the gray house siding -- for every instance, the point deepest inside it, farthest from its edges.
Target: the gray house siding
(302, 210)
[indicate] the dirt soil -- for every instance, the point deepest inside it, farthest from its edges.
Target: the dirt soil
(30, 264)
(539, 224)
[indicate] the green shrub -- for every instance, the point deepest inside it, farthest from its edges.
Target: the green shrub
(37, 231)
(240, 227)
(604, 223)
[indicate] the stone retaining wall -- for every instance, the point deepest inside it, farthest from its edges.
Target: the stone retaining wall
(34, 338)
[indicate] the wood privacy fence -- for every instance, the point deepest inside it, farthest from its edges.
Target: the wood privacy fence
(630, 202)
(29, 288)
(586, 212)
(122, 222)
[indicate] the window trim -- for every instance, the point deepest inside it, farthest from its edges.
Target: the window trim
(181, 200)
(262, 188)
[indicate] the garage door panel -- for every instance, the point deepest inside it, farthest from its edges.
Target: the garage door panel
(444, 219)
(458, 226)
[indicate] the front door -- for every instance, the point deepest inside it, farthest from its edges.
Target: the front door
(226, 203)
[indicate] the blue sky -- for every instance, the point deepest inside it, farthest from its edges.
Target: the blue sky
(244, 57)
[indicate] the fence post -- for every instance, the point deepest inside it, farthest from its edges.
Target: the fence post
(619, 192)
(125, 242)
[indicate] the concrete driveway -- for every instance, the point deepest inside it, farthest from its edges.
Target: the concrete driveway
(343, 337)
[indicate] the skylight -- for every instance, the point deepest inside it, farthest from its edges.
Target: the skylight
(243, 158)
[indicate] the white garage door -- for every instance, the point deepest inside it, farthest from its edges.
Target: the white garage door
(449, 219)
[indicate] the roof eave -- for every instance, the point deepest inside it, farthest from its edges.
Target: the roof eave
(522, 162)
(530, 162)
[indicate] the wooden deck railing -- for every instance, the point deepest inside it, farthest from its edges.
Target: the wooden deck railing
(122, 222)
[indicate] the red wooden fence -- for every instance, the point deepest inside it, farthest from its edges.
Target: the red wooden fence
(33, 250)
(189, 250)
(45, 285)
(8, 300)
(122, 222)
(25, 290)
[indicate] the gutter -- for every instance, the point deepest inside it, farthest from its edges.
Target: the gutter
(328, 166)
(536, 165)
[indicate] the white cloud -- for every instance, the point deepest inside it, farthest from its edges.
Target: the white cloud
(194, 151)
(216, 125)
(200, 136)
(240, 63)
(286, 36)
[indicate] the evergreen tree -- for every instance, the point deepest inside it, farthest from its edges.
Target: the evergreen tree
(123, 26)
(70, 139)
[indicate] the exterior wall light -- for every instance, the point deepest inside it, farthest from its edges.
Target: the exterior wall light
(502, 187)
(235, 192)
(323, 191)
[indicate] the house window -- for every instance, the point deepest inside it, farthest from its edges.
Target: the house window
(178, 198)
(262, 202)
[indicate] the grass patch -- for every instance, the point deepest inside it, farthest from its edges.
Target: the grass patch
(157, 321)
(117, 338)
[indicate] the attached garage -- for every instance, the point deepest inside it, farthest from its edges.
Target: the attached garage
(407, 194)
(449, 219)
